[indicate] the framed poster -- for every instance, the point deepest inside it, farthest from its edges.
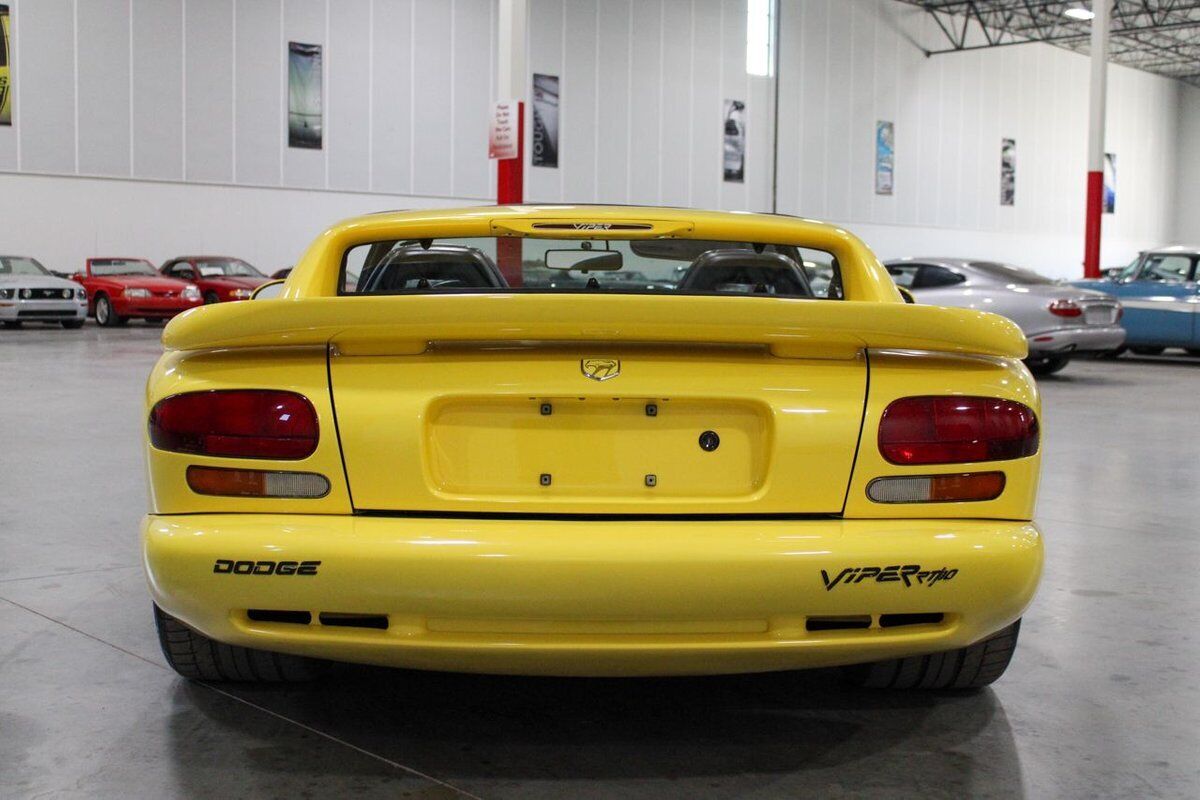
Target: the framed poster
(5, 75)
(885, 157)
(1110, 183)
(545, 120)
(735, 141)
(1008, 172)
(304, 95)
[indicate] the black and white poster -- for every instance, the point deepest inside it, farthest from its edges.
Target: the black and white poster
(1008, 172)
(545, 120)
(304, 95)
(735, 141)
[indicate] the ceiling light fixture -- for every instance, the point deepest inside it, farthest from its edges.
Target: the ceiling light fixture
(1079, 13)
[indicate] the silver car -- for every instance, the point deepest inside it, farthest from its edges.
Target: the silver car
(29, 293)
(1058, 320)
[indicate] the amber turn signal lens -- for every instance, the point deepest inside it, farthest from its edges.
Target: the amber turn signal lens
(256, 483)
(937, 488)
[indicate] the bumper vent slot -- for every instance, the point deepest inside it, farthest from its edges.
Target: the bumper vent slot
(338, 620)
(898, 620)
(290, 617)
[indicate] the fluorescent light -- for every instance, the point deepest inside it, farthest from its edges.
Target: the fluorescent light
(1079, 13)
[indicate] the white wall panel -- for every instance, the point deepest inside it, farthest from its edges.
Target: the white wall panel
(677, 121)
(474, 62)
(392, 79)
(104, 87)
(258, 116)
(706, 141)
(433, 120)
(614, 27)
(158, 89)
(208, 90)
(1185, 200)
(348, 105)
(304, 21)
(546, 32)
(46, 122)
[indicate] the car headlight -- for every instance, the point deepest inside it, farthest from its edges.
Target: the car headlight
(81, 294)
(66, 293)
(241, 294)
(134, 292)
(191, 293)
(26, 293)
(7, 294)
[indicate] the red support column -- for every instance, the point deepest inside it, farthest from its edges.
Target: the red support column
(510, 190)
(1091, 232)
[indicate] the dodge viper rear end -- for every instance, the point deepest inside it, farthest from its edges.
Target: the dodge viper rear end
(591, 441)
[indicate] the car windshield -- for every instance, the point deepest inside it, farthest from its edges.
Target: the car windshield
(640, 266)
(122, 266)
(233, 267)
(1007, 273)
(14, 265)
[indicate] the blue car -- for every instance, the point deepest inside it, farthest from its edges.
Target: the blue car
(1161, 296)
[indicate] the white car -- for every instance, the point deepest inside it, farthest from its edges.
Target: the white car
(29, 293)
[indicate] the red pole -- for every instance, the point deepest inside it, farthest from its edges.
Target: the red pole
(1091, 233)
(510, 190)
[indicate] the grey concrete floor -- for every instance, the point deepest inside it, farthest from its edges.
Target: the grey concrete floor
(1102, 699)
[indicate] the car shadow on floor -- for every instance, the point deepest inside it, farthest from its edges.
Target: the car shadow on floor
(471, 730)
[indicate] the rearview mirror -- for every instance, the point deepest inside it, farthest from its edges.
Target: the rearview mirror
(585, 260)
(268, 291)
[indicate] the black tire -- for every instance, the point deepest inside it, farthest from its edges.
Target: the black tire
(12, 323)
(105, 316)
(1110, 354)
(198, 658)
(1193, 351)
(1147, 351)
(210, 298)
(1048, 365)
(72, 324)
(971, 667)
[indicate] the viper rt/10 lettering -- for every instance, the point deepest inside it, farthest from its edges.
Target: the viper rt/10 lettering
(906, 574)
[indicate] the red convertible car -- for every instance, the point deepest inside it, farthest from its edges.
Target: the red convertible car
(219, 277)
(119, 289)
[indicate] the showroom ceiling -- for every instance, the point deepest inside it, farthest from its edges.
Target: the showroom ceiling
(1159, 36)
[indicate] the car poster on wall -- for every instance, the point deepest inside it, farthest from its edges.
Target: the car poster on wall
(885, 155)
(735, 141)
(1008, 172)
(545, 120)
(304, 95)
(1110, 183)
(5, 75)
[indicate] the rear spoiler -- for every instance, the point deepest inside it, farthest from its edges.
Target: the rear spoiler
(407, 324)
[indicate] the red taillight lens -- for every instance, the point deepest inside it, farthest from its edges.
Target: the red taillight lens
(237, 423)
(1066, 308)
(956, 430)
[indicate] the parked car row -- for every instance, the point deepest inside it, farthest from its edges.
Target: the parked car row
(115, 290)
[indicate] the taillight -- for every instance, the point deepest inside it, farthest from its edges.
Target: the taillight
(937, 488)
(956, 430)
(1066, 308)
(236, 423)
(255, 482)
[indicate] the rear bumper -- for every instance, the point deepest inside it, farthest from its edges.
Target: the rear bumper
(592, 598)
(1063, 341)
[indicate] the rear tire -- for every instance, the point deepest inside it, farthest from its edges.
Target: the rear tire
(198, 658)
(72, 324)
(1147, 351)
(971, 667)
(1048, 365)
(1193, 351)
(1110, 354)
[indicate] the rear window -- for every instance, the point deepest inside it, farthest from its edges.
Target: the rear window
(639, 266)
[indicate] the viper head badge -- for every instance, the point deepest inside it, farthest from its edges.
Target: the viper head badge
(600, 369)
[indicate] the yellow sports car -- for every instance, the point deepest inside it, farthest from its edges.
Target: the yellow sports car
(576, 440)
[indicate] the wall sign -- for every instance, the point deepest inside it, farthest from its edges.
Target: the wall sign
(502, 132)
(1110, 183)
(304, 95)
(5, 74)
(1008, 172)
(885, 157)
(735, 141)
(545, 120)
